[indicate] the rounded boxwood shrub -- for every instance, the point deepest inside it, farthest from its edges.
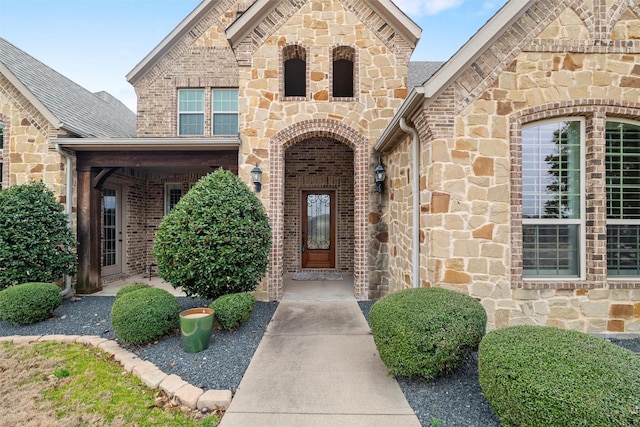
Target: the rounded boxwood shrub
(545, 376)
(36, 241)
(216, 240)
(131, 288)
(29, 302)
(233, 310)
(426, 332)
(144, 315)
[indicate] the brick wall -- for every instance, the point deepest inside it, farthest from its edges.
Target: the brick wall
(144, 196)
(319, 163)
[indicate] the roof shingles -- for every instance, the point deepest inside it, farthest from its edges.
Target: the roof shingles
(80, 111)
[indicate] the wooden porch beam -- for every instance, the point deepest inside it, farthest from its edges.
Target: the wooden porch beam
(88, 277)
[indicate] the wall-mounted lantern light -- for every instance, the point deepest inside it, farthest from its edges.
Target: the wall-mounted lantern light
(378, 175)
(256, 177)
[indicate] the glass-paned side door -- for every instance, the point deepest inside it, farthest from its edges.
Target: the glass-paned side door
(111, 231)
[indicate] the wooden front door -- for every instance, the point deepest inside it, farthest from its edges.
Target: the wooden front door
(318, 229)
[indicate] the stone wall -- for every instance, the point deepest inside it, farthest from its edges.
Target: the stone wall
(579, 61)
(27, 154)
(270, 124)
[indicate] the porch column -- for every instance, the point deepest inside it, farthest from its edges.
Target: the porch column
(88, 278)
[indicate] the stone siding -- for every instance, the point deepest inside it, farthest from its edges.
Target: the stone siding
(27, 154)
(576, 61)
(271, 125)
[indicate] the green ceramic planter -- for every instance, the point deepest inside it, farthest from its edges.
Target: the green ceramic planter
(196, 326)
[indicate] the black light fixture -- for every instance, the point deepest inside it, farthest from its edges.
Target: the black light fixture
(379, 175)
(256, 177)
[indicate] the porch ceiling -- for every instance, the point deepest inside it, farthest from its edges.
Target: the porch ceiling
(148, 144)
(192, 160)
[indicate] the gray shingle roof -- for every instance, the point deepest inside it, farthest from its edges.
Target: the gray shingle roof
(82, 112)
(421, 71)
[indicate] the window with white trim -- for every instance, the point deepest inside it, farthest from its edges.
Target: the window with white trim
(623, 198)
(225, 111)
(191, 112)
(172, 195)
(553, 229)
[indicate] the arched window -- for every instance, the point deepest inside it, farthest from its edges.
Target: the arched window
(295, 71)
(343, 72)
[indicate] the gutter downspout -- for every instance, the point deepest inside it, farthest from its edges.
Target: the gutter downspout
(68, 290)
(415, 182)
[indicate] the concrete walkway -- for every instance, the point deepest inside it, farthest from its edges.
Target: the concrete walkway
(317, 365)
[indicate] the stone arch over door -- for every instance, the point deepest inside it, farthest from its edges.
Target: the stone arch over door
(323, 128)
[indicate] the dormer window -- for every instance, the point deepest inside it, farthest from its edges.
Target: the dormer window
(295, 71)
(343, 72)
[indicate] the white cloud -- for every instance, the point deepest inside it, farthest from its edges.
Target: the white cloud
(415, 8)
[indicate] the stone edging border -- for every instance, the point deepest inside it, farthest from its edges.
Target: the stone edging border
(150, 374)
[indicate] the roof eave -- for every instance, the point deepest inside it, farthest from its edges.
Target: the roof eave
(169, 41)
(475, 47)
(398, 20)
(455, 66)
(149, 144)
(242, 26)
(31, 98)
(409, 107)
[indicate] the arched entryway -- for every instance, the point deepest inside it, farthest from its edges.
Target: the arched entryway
(324, 161)
(318, 206)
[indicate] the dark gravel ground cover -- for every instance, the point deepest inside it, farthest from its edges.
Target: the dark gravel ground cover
(219, 367)
(455, 400)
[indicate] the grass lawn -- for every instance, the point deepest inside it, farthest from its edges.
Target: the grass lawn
(75, 385)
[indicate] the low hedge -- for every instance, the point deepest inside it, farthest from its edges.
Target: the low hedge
(144, 315)
(426, 332)
(233, 310)
(545, 376)
(131, 288)
(29, 302)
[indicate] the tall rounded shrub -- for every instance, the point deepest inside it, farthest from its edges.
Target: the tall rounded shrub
(426, 332)
(545, 376)
(36, 241)
(216, 240)
(144, 315)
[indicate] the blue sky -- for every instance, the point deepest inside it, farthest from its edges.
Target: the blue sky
(97, 42)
